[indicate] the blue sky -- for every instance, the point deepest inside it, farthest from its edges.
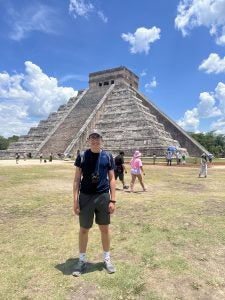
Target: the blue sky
(176, 47)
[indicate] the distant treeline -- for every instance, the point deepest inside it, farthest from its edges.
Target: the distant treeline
(5, 142)
(214, 143)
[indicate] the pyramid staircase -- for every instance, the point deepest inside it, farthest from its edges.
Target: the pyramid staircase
(127, 125)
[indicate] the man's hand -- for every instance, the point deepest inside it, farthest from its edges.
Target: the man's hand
(112, 207)
(76, 207)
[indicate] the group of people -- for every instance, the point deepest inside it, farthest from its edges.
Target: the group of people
(24, 156)
(137, 170)
(180, 157)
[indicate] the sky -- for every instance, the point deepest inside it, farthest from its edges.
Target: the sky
(175, 47)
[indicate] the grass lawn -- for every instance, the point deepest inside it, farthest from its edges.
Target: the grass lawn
(167, 243)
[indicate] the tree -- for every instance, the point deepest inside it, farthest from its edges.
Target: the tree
(4, 143)
(214, 143)
(13, 139)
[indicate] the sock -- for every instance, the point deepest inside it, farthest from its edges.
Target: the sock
(83, 257)
(106, 255)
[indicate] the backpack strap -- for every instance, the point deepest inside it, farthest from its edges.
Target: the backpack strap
(108, 156)
(82, 157)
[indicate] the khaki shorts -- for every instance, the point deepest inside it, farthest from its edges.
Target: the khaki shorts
(94, 205)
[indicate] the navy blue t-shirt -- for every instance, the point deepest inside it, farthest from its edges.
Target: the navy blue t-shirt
(89, 165)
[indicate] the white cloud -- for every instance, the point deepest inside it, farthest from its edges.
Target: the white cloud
(218, 126)
(84, 8)
(70, 77)
(27, 98)
(31, 18)
(220, 95)
(211, 105)
(208, 13)
(151, 85)
(143, 73)
(80, 8)
(213, 64)
(206, 107)
(190, 120)
(142, 38)
(102, 16)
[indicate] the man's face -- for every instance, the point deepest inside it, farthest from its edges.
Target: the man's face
(95, 140)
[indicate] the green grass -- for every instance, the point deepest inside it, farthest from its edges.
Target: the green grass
(167, 243)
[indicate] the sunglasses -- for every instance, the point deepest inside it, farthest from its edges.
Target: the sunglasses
(95, 137)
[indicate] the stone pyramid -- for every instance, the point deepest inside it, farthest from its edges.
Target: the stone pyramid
(112, 103)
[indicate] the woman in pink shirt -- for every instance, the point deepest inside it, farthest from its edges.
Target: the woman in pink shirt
(136, 170)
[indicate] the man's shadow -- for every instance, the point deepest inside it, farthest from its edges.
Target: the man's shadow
(68, 266)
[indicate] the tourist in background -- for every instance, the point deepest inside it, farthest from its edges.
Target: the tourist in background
(210, 157)
(169, 157)
(94, 194)
(137, 171)
(120, 168)
(204, 166)
(178, 157)
(50, 157)
(154, 158)
(183, 159)
(17, 158)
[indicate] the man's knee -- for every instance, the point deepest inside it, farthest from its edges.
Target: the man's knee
(84, 231)
(104, 229)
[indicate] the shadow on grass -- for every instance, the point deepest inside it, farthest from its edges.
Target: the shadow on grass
(68, 266)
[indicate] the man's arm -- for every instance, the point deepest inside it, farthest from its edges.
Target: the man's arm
(112, 185)
(76, 188)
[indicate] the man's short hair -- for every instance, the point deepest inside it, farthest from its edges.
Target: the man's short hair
(121, 152)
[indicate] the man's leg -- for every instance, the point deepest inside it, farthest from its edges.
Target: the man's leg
(121, 177)
(82, 263)
(105, 237)
(83, 239)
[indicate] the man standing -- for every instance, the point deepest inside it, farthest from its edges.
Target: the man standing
(94, 195)
(120, 168)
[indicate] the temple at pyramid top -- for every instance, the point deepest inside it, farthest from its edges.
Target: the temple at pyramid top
(128, 120)
(113, 76)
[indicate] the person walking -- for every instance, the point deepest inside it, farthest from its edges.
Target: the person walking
(204, 166)
(94, 195)
(120, 168)
(137, 171)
